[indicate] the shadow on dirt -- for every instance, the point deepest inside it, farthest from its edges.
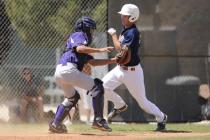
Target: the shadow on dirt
(105, 134)
(174, 131)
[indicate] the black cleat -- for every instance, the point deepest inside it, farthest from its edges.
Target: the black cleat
(60, 128)
(161, 126)
(115, 112)
(101, 124)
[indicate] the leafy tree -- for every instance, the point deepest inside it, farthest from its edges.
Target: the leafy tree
(45, 23)
(40, 23)
(100, 15)
(5, 32)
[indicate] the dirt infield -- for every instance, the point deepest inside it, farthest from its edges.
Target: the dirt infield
(98, 136)
(120, 132)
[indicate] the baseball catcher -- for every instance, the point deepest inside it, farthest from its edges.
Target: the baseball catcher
(68, 75)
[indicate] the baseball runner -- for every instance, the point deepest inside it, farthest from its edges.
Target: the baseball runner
(68, 75)
(129, 71)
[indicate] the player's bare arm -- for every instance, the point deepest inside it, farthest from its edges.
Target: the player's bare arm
(87, 50)
(115, 40)
(128, 56)
(100, 62)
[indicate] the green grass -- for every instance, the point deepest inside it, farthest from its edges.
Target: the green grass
(138, 128)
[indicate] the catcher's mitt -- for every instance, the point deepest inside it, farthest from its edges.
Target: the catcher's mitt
(122, 56)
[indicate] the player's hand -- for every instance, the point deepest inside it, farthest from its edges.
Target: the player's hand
(111, 31)
(107, 49)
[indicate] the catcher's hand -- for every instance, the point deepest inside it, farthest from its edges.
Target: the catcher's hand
(123, 57)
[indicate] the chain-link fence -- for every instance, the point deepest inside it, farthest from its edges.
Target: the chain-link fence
(32, 37)
(174, 54)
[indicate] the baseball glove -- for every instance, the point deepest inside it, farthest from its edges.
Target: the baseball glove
(122, 56)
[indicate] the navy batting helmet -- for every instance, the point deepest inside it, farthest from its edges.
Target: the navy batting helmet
(85, 24)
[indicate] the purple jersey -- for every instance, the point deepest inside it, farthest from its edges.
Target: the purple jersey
(70, 55)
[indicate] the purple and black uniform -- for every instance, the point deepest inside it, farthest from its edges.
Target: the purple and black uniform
(68, 75)
(70, 55)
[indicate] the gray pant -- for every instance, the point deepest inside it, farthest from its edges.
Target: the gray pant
(67, 76)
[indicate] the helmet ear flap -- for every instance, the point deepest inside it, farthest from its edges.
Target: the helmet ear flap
(132, 19)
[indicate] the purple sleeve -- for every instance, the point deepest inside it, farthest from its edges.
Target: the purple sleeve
(76, 39)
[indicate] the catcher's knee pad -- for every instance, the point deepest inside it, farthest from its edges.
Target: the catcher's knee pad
(64, 108)
(97, 89)
(72, 101)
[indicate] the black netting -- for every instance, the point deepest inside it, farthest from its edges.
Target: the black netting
(32, 36)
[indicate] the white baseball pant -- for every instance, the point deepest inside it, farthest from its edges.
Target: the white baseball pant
(134, 81)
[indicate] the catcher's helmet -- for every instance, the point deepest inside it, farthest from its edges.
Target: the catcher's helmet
(130, 10)
(85, 24)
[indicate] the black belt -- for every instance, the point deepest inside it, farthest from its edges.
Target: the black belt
(128, 68)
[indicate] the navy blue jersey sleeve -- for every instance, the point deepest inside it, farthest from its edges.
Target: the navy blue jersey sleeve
(128, 39)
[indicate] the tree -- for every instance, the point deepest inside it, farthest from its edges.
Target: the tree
(45, 23)
(5, 32)
(40, 23)
(99, 14)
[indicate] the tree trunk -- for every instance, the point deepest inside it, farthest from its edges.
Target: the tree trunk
(5, 32)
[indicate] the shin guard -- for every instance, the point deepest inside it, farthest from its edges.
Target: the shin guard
(97, 92)
(64, 108)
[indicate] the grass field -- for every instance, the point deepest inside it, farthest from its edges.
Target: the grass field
(187, 131)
